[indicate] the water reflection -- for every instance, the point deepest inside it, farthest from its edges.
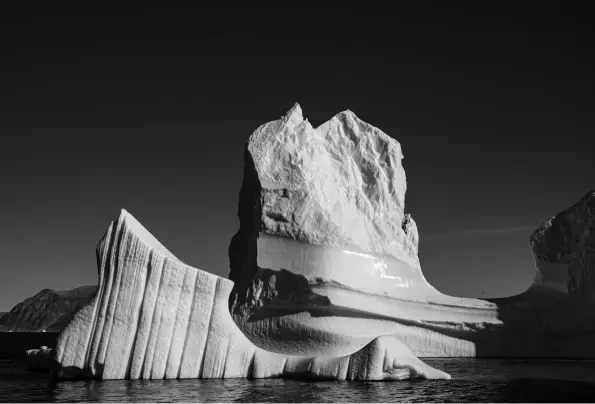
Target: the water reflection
(270, 390)
(473, 381)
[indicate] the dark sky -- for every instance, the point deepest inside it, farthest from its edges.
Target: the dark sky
(149, 110)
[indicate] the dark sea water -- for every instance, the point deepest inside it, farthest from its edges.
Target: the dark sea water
(473, 380)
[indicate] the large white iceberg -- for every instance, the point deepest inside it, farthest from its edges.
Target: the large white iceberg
(326, 253)
(155, 317)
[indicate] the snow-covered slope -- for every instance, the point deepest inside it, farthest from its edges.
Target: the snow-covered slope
(155, 317)
(325, 252)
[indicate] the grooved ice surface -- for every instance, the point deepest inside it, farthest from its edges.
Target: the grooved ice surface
(156, 318)
(325, 259)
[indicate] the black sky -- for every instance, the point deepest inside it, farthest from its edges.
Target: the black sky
(149, 110)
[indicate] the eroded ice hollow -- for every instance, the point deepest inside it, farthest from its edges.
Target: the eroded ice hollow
(325, 252)
(155, 317)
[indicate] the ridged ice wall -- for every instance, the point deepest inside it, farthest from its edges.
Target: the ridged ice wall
(155, 317)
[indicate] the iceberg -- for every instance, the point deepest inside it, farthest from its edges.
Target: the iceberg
(325, 280)
(154, 317)
(325, 259)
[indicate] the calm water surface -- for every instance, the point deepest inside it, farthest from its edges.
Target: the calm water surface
(473, 380)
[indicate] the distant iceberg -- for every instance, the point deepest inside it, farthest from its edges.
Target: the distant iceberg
(39, 359)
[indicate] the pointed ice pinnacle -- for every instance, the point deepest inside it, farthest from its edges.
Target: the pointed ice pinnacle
(294, 115)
